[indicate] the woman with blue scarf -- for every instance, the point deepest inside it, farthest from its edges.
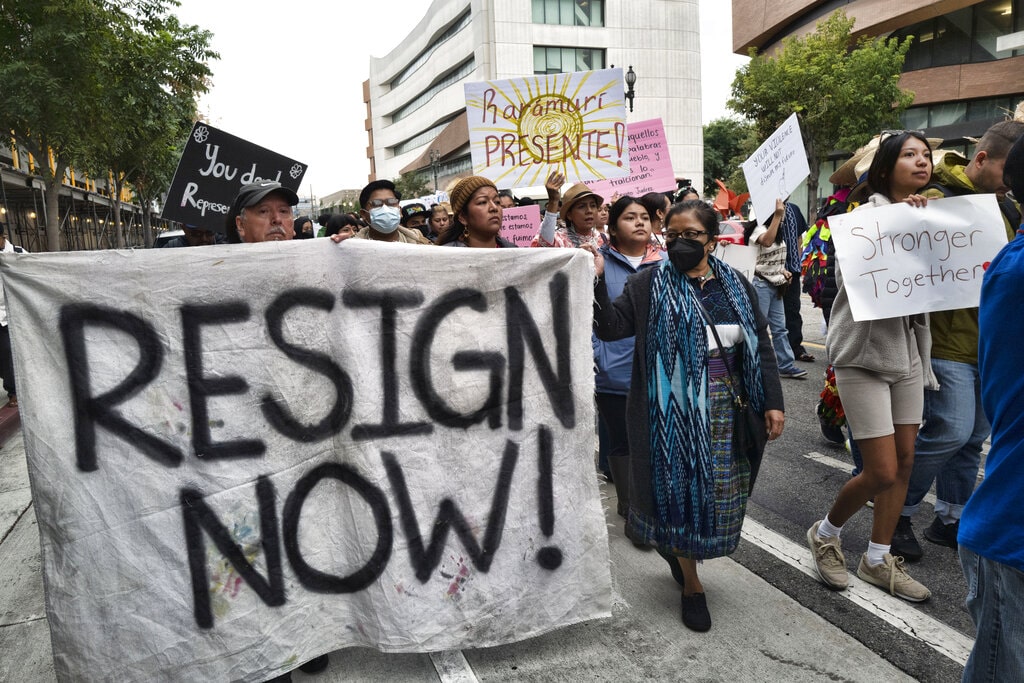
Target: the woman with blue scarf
(688, 489)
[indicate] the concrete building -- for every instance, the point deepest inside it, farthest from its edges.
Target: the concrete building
(414, 95)
(965, 65)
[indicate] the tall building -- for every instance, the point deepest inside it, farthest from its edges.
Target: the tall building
(965, 66)
(414, 95)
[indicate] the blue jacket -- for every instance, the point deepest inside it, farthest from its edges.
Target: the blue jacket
(613, 361)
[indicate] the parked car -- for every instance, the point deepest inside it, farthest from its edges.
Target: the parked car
(731, 231)
(167, 236)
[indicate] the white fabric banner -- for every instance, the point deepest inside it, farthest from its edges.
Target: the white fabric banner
(900, 260)
(243, 457)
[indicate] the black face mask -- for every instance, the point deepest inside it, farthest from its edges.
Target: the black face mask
(685, 254)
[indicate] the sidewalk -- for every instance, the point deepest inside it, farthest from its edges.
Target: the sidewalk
(759, 633)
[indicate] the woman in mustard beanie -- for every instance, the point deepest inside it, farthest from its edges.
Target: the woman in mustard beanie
(477, 212)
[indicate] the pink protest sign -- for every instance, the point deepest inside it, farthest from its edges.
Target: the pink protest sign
(650, 168)
(520, 224)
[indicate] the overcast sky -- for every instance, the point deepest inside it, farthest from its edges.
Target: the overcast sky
(292, 82)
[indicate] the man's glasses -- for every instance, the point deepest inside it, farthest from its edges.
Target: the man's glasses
(377, 203)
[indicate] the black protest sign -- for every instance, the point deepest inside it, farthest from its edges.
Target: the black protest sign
(212, 168)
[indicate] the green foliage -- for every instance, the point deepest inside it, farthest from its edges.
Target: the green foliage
(412, 185)
(726, 143)
(843, 91)
(103, 84)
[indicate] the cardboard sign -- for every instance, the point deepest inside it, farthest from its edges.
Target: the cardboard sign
(899, 260)
(298, 450)
(213, 167)
(777, 167)
(741, 257)
(522, 129)
(520, 224)
(649, 164)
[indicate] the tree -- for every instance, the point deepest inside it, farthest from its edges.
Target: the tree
(725, 147)
(842, 93)
(52, 62)
(158, 69)
(412, 185)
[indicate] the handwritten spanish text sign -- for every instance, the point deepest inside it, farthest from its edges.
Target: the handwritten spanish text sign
(522, 129)
(777, 167)
(213, 167)
(246, 456)
(649, 163)
(520, 224)
(899, 260)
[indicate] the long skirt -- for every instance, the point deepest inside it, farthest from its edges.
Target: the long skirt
(732, 478)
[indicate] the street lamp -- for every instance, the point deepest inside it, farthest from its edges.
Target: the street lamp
(630, 82)
(435, 158)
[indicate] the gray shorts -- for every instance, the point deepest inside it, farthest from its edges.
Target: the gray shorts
(874, 402)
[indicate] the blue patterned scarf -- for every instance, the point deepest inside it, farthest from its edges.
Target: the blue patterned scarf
(677, 393)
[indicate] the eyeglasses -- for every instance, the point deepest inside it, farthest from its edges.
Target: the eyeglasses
(377, 203)
(686, 234)
(885, 134)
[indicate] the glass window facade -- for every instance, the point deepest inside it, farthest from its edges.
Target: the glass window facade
(459, 24)
(965, 36)
(949, 113)
(569, 12)
(421, 139)
(453, 76)
(555, 60)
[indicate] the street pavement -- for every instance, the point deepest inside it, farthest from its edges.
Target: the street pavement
(772, 620)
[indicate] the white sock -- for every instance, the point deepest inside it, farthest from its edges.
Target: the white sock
(827, 530)
(876, 554)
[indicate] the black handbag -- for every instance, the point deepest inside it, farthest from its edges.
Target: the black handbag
(749, 433)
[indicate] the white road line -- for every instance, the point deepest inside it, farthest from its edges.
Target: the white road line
(934, 633)
(847, 466)
(451, 667)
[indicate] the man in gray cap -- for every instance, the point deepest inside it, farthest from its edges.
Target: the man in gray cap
(262, 212)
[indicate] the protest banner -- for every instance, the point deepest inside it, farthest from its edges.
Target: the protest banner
(245, 456)
(650, 167)
(520, 224)
(777, 167)
(899, 260)
(522, 129)
(741, 257)
(212, 168)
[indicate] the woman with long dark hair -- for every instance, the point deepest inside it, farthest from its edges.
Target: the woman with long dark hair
(701, 348)
(882, 367)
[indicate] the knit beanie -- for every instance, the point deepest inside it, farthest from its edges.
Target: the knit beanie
(464, 189)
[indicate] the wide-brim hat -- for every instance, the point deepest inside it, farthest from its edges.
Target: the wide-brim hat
(853, 170)
(576, 193)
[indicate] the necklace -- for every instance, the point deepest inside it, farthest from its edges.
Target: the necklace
(701, 279)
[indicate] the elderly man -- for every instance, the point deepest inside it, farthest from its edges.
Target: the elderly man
(262, 212)
(379, 201)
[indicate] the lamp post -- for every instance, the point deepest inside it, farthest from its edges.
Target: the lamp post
(435, 158)
(630, 82)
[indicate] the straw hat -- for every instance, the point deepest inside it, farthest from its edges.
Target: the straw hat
(850, 173)
(576, 193)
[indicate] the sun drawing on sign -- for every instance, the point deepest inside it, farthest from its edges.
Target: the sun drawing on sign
(549, 124)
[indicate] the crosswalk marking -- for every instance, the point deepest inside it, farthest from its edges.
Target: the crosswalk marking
(848, 466)
(452, 667)
(937, 635)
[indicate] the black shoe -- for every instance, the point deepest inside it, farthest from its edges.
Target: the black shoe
(904, 543)
(315, 665)
(695, 613)
(673, 564)
(943, 534)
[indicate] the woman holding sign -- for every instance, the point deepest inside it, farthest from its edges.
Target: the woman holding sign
(702, 348)
(882, 367)
(477, 215)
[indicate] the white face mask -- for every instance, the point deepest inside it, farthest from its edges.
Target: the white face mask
(385, 219)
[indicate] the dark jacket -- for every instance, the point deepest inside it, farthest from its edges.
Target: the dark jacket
(626, 316)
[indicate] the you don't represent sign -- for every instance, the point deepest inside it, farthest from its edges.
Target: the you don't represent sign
(900, 260)
(521, 129)
(245, 456)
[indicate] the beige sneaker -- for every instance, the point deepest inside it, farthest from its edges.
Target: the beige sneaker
(891, 576)
(828, 559)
